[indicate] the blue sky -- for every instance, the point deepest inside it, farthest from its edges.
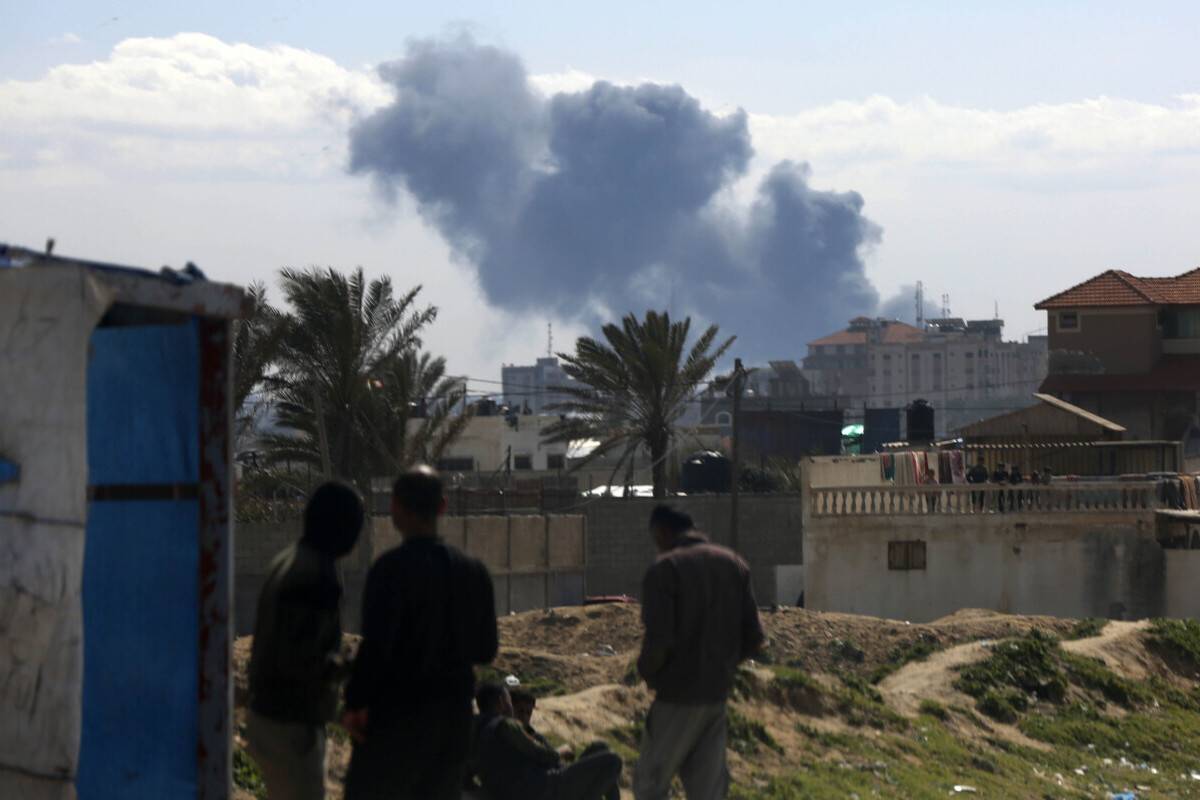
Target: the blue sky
(775, 57)
(1006, 152)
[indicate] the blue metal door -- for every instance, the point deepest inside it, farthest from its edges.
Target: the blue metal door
(141, 566)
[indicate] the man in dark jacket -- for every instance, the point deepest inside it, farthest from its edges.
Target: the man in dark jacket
(701, 621)
(428, 617)
(515, 765)
(296, 662)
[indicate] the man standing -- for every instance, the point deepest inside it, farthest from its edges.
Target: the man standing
(428, 617)
(700, 622)
(296, 662)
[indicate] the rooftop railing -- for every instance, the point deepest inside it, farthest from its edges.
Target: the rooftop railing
(1110, 496)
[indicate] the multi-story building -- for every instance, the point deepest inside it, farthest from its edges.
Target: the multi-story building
(495, 443)
(532, 387)
(1128, 349)
(964, 368)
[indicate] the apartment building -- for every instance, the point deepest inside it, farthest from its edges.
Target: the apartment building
(964, 368)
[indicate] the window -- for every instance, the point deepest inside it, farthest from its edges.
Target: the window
(1182, 324)
(906, 555)
(1068, 320)
(522, 462)
(724, 418)
(556, 461)
(970, 355)
(453, 464)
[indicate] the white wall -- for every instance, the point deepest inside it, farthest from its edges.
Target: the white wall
(1068, 564)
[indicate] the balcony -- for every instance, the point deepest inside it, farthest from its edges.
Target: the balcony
(956, 500)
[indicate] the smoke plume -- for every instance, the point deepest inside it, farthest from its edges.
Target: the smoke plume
(614, 199)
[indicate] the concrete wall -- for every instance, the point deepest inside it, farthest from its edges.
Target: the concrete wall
(535, 561)
(1182, 593)
(619, 547)
(1068, 564)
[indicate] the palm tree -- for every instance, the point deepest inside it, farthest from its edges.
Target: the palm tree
(256, 340)
(635, 385)
(346, 374)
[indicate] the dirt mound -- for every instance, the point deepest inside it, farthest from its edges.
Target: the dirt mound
(581, 631)
(1122, 648)
(838, 643)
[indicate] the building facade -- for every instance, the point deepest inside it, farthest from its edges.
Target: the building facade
(1128, 348)
(496, 443)
(964, 368)
(533, 387)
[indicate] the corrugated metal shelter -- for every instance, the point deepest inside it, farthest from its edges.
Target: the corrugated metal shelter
(115, 530)
(1050, 420)
(1054, 434)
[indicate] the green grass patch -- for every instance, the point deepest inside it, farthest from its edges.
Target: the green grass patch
(1091, 673)
(631, 677)
(1015, 671)
(917, 650)
(933, 708)
(861, 705)
(846, 650)
(246, 774)
(748, 736)
(1086, 628)
(1179, 641)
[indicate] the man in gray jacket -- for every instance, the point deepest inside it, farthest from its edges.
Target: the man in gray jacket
(701, 621)
(296, 663)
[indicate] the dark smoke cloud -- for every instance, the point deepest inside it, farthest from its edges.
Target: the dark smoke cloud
(617, 196)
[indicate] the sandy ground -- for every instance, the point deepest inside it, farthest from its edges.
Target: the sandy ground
(587, 653)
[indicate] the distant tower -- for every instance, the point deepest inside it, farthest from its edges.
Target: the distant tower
(549, 340)
(945, 306)
(997, 312)
(920, 304)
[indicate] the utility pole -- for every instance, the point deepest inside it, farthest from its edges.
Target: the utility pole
(737, 386)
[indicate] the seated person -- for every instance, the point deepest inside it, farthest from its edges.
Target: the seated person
(512, 765)
(524, 703)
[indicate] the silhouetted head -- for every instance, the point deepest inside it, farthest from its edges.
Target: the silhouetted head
(417, 500)
(333, 519)
(668, 524)
(523, 703)
(493, 698)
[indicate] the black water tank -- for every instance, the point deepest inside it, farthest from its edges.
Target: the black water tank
(706, 471)
(920, 422)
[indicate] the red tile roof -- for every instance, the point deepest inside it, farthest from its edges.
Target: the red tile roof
(894, 332)
(900, 332)
(1118, 288)
(842, 337)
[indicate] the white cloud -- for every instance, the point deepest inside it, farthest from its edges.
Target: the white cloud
(66, 38)
(1088, 135)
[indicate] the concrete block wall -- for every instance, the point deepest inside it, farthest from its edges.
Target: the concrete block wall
(535, 561)
(619, 546)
